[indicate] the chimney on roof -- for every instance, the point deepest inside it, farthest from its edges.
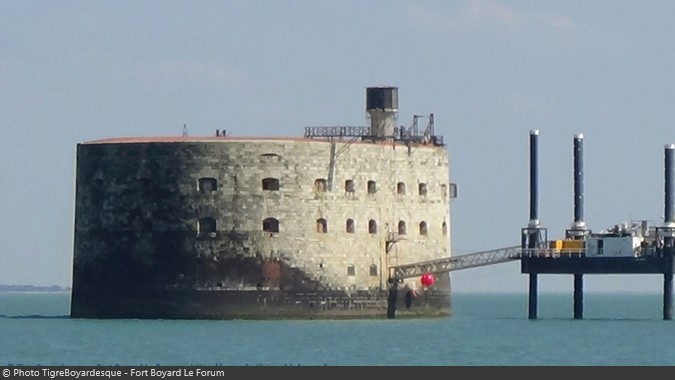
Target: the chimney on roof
(382, 108)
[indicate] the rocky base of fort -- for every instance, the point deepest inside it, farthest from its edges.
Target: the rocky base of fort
(258, 305)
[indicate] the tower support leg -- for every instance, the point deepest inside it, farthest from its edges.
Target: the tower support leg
(532, 305)
(668, 296)
(578, 296)
(668, 286)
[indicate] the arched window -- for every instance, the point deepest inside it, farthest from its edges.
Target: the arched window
(349, 227)
(320, 185)
(349, 186)
(422, 189)
(321, 226)
(401, 227)
(453, 190)
(267, 155)
(208, 184)
(373, 270)
(444, 191)
(270, 225)
(444, 227)
(400, 188)
(423, 228)
(372, 187)
(270, 184)
(207, 225)
(372, 226)
(351, 270)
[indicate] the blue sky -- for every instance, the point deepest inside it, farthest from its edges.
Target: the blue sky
(490, 71)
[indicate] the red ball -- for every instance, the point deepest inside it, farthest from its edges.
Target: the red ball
(428, 279)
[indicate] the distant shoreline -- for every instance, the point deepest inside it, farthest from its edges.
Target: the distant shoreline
(32, 288)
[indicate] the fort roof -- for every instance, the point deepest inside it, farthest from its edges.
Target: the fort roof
(181, 139)
(177, 139)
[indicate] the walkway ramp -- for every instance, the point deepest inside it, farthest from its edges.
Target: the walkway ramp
(448, 264)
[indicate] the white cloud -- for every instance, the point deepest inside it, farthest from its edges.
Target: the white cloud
(558, 22)
(493, 11)
(489, 15)
(188, 71)
(428, 18)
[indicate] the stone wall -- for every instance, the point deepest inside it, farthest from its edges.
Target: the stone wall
(196, 214)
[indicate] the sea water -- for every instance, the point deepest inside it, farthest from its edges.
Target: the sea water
(485, 330)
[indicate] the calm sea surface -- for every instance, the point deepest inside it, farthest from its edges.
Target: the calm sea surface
(485, 330)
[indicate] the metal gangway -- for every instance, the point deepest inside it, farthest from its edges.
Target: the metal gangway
(448, 264)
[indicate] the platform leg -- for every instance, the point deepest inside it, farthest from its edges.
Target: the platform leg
(532, 307)
(667, 296)
(578, 296)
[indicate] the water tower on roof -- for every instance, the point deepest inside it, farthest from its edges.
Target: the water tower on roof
(382, 108)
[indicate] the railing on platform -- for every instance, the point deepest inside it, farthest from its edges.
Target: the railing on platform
(401, 134)
(337, 131)
(551, 252)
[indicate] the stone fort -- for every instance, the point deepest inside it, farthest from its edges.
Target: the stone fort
(254, 227)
